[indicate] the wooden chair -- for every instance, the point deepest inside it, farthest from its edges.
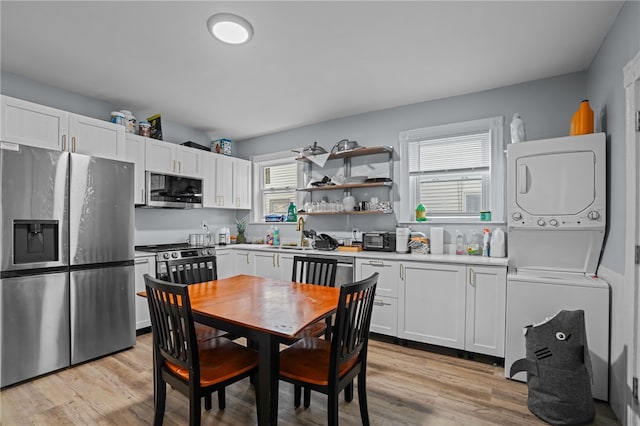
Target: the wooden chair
(192, 271)
(194, 369)
(318, 271)
(330, 366)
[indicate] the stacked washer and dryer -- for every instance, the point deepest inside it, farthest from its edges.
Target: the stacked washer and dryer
(556, 221)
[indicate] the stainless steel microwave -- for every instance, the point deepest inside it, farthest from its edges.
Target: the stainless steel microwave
(178, 192)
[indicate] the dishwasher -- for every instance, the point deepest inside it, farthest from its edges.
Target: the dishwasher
(345, 272)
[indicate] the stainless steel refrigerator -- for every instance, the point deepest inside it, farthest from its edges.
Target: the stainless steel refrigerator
(67, 260)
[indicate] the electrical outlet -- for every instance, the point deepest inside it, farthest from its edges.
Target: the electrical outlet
(355, 232)
(204, 223)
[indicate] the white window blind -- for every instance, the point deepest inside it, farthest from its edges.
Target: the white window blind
(279, 187)
(451, 153)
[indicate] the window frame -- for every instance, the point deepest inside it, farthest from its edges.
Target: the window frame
(496, 184)
(269, 160)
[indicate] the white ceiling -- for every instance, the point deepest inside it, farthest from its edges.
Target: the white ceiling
(308, 61)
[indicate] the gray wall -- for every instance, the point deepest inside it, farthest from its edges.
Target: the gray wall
(606, 95)
(546, 107)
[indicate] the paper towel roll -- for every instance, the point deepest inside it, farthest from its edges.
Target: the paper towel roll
(437, 240)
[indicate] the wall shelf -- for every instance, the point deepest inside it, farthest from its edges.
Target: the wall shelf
(346, 186)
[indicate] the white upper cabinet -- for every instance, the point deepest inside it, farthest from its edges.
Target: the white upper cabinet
(135, 153)
(241, 183)
(45, 127)
(167, 157)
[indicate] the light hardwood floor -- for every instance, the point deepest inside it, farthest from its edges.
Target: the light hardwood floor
(405, 386)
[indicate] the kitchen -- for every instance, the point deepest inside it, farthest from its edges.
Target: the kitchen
(545, 103)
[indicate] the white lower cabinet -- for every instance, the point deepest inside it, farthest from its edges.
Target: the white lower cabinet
(243, 262)
(224, 263)
(384, 318)
(457, 306)
(145, 263)
(486, 310)
(433, 303)
(278, 266)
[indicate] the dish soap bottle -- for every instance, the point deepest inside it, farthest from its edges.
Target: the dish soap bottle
(421, 213)
(485, 242)
(276, 236)
(459, 243)
(269, 240)
(292, 215)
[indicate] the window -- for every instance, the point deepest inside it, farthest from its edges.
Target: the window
(277, 180)
(456, 170)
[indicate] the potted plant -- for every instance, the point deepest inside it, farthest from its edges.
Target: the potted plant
(241, 224)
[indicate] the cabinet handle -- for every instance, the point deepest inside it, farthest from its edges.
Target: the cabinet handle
(142, 193)
(402, 271)
(73, 144)
(64, 142)
(247, 258)
(141, 261)
(179, 166)
(378, 302)
(237, 201)
(376, 262)
(278, 259)
(471, 277)
(273, 260)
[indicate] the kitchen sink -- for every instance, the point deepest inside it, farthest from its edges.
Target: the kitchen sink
(299, 248)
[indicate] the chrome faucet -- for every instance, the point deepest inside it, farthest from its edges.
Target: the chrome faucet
(300, 227)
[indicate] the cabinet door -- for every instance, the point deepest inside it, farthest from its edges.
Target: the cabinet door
(95, 137)
(224, 263)
(209, 195)
(243, 262)
(432, 303)
(224, 181)
(144, 265)
(242, 184)
(267, 265)
(285, 264)
(160, 156)
(188, 161)
(384, 318)
(134, 150)
(389, 275)
(486, 310)
(32, 124)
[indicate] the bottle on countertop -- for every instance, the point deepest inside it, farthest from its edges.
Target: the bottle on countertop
(292, 214)
(497, 243)
(517, 129)
(459, 243)
(486, 248)
(276, 236)
(474, 248)
(269, 239)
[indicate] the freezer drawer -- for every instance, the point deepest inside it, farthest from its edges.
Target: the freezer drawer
(35, 325)
(102, 311)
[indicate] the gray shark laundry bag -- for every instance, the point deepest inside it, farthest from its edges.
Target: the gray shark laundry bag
(558, 369)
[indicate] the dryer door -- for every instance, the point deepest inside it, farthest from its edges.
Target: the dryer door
(558, 183)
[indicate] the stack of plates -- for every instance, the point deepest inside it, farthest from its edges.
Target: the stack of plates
(355, 179)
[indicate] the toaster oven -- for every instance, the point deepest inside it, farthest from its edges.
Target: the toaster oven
(379, 241)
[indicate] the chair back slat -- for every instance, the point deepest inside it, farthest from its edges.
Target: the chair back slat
(353, 318)
(172, 324)
(314, 270)
(191, 271)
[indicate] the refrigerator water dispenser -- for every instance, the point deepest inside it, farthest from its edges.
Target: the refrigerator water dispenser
(35, 241)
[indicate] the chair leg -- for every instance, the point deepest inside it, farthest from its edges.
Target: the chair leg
(332, 408)
(307, 397)
(221, 399)
(159, 403)
(207, 402)
(362, 398)
(194, 411)
(348, 392)
(297, 391)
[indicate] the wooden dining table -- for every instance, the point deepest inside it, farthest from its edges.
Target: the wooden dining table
(266, 311)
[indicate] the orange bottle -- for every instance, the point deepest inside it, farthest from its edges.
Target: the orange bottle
(582, 121)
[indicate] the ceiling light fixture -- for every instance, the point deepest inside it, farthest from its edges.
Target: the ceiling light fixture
(230, 28)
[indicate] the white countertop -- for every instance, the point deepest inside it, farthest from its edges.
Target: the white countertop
(442, 258)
